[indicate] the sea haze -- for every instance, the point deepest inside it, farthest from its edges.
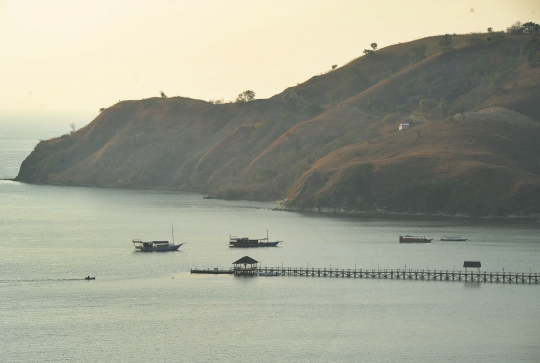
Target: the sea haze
(148, 307)
(20, 131)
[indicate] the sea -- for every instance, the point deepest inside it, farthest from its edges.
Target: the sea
(148, 307)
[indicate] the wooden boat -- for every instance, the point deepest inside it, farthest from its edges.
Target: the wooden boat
(453, 239)
(156, 246)
(247, 242)
(414, 239)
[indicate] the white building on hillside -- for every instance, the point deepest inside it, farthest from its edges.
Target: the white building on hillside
(403, 126)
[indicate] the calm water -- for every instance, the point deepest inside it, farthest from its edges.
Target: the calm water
(146, 307)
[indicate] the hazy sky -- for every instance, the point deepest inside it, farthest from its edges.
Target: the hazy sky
(84, 55)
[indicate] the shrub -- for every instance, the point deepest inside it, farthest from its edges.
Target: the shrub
(368, 52)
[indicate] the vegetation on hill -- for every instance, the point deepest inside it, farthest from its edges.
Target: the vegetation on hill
(333, 142)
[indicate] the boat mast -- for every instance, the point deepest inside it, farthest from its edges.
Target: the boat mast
(172, 232)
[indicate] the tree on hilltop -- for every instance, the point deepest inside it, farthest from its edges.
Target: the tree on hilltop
(246, 96)
(531, 28)
(371, 51)
(516, 28)
(163, 95)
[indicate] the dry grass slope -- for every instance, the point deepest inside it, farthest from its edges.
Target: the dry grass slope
(332, 141)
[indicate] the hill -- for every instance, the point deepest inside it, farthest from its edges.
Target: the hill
(333, 141)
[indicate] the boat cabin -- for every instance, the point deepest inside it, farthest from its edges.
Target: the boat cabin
(149, 244)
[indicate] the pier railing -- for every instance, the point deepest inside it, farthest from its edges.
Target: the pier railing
(409, 274)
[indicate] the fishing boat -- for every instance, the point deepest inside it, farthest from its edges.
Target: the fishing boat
(247, 242)
(414, 239)
(89, 278)
(453, 239)
(156, 246)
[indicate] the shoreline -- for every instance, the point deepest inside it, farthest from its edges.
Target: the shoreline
(334, 211)
(321, 211)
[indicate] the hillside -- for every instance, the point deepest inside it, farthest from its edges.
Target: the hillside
(333, 141)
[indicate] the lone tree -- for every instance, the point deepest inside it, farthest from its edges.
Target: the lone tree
(334, 66)
(102, 109)
(516, 28)
(531, 28)
(163, 95)
(246, 96)
(490, 30)
(73, 128)
(371, 51)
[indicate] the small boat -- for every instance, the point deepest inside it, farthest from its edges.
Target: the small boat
(156, 246)
(453, 239)
(247, 242)
(414, 239)
(268, 273)
(89, 278)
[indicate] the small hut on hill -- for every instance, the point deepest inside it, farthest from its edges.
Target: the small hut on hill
(245, 266)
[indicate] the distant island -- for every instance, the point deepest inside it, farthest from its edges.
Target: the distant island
(447, 124)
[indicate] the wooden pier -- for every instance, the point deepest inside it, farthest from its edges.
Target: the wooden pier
(392, 274)
(409, 274)
(247, 266)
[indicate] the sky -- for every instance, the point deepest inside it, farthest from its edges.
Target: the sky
(85, 55)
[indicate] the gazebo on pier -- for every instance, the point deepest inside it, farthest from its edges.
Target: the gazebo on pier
(245, 266)
(473, 264)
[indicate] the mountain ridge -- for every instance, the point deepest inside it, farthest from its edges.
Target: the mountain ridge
(333, 141)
